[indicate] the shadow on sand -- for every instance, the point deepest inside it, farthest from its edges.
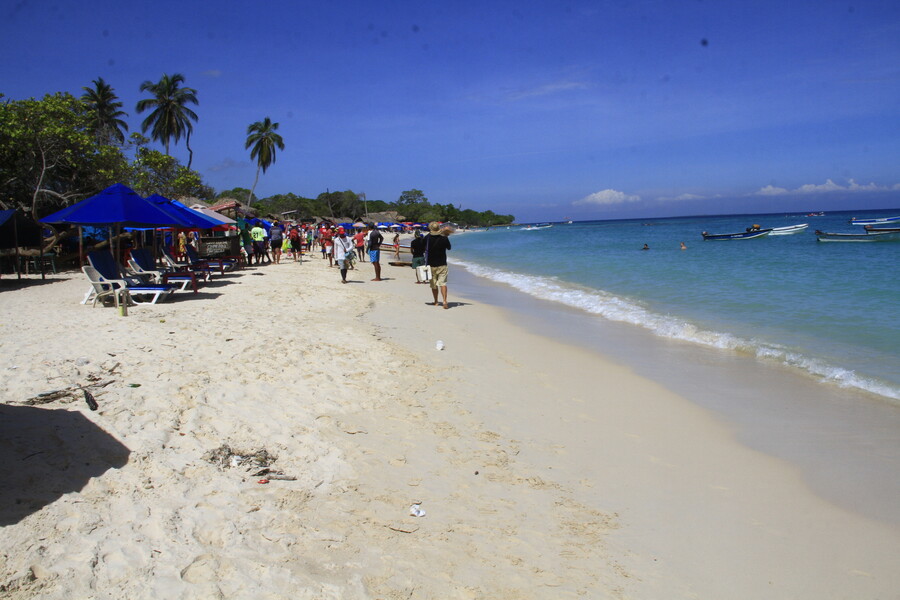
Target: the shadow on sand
(48, 452)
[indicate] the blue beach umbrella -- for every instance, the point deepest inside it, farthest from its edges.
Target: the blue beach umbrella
(196, 220)
(116, 205)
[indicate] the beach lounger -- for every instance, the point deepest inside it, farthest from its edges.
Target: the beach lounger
(204, 269)
(109, 272)
(123, 292)
(142, 263)
(102, 291)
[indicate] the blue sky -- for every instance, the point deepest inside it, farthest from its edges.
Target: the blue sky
(547, 110)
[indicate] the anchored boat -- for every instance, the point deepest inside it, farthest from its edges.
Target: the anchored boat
(882, 221)
(538, 226)
(750, 234)
(789, 230)
(887, 235)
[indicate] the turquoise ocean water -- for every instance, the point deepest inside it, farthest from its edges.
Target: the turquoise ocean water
(831, 310)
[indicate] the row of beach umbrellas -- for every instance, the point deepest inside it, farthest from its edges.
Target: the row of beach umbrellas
(120, 207)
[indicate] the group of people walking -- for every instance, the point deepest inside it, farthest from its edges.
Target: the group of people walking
(343, 250)
(263, 247)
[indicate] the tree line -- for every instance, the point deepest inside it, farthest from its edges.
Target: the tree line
(412, 205)
(61, 149)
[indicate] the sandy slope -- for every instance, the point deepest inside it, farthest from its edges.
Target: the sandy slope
(545, 472)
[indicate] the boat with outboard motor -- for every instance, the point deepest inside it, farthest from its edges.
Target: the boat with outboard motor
(751, 233)
(537, 226)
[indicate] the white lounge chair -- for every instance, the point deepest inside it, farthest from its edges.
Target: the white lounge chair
(132, 287)
(101, 291)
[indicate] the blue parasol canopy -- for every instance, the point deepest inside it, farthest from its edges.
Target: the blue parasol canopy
(196, 220)
(116, 205)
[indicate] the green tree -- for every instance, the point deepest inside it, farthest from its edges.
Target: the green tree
(170, 118)
(106, 116)
(238, 192)
(49, 156)
(378, 206)
(281, 203)
(412, 204)
(341, 204)
(330, 200)
(153, 172)
(264, 140)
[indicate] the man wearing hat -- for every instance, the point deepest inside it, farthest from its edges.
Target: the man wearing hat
(436, 245)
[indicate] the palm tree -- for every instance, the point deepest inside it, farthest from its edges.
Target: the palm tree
(171, 118)
(261, 135)
(104, 112)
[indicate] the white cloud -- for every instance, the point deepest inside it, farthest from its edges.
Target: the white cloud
(869, 187)
(607, 197)
(822, 188)
(812, 188)
(212, 73)
(771, 190)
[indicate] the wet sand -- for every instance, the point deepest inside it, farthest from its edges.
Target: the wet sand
(846, 443)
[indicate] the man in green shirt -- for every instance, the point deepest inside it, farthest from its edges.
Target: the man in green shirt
(259, 242)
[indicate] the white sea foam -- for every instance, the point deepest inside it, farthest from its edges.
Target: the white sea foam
(615, 308)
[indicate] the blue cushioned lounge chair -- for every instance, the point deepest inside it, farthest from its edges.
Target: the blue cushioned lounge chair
(109, 273)
(142, 264)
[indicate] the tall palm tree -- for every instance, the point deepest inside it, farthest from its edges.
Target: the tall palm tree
(261, 135)
(171, 118)
(105, 114)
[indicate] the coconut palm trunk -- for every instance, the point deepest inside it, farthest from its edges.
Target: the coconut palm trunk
(255, 181)
(187, 142)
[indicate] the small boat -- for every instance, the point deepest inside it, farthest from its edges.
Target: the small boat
(538, 226)
(882, 221)
(816, 214)
(744, 235)
(790, 229)
(869, 236)
(870, 229)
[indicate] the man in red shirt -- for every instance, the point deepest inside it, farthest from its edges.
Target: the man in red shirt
(359, 240)
(326, 237)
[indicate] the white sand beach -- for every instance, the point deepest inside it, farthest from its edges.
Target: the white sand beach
(543, 470)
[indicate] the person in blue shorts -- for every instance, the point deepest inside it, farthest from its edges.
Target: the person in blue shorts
(375, 240)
